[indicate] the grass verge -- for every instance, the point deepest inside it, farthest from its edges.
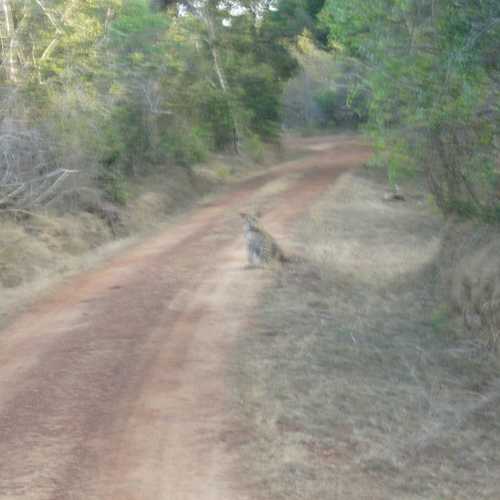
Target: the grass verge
(352, 383)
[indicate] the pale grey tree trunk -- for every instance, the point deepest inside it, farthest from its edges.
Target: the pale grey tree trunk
(219, 71)
(10, 44)
(204, 13)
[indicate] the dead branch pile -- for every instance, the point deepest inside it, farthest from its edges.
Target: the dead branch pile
(30, 175)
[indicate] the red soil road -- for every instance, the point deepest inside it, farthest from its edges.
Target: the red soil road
(114, 387)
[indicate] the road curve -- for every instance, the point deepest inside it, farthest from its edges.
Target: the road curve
(114, 386)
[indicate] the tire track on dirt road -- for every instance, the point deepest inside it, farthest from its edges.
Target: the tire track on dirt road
(113, 386)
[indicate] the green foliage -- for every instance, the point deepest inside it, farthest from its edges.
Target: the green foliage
(326, 93)
(113, 182)
(261, 96)
(214, 112)
(341, 107)
(185, 147)
(254, 148)
(432, 73)
(440, 319)
(114, 88)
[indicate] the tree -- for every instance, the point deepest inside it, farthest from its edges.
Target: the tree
(434, 84)
(115, 88)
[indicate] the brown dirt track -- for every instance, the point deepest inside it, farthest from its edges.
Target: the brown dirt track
(114, 387)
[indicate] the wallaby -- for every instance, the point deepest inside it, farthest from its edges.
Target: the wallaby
(261, 246)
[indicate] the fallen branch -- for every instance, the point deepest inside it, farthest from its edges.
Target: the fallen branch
(33, 192)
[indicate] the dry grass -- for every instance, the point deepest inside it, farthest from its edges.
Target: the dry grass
(37, 250)
(38, 242)
(352, 385)
(157, 197)
(472, 275)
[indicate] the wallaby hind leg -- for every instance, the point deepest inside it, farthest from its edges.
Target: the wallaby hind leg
(250, 257)
(254, 257)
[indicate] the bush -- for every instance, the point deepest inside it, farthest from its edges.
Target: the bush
(113, 182)
(433, 105)
(184, 147)
(254, 147)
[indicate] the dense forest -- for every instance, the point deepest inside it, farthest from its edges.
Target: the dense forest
(105, 90)
(431, 69)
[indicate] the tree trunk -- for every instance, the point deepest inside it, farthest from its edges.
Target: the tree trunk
(10, 50)
(212, 39)
(205, 14)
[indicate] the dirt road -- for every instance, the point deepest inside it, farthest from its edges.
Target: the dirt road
(113, 387)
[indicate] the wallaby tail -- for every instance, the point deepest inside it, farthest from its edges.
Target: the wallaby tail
(291, 259)
(288, 259)
(284, 259)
